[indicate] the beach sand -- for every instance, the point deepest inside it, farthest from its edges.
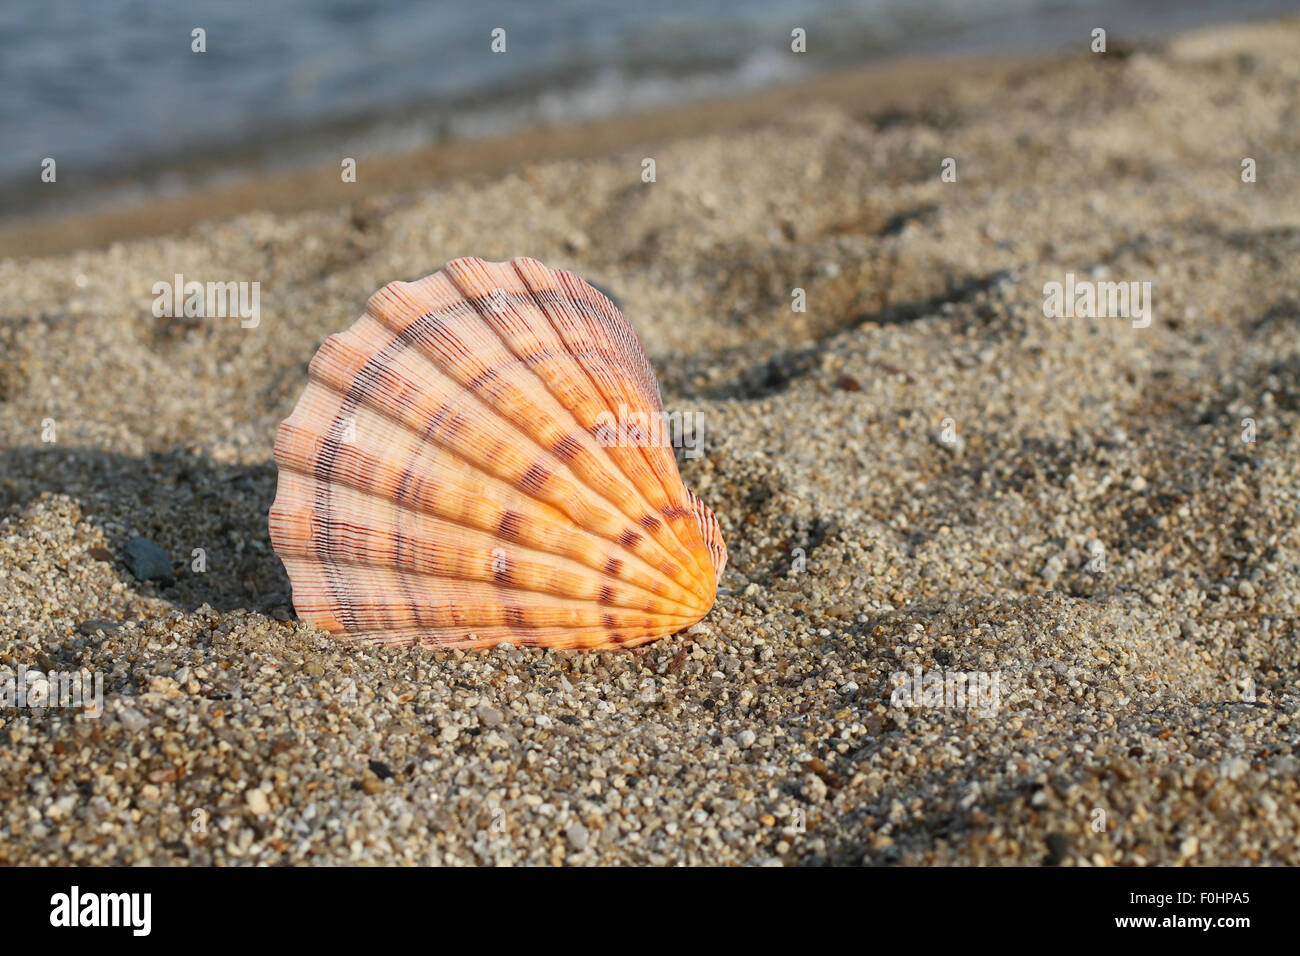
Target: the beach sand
(1089, 529)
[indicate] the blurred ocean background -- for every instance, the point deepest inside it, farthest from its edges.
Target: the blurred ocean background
(112, 91)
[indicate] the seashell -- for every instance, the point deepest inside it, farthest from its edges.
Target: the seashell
(448, 478)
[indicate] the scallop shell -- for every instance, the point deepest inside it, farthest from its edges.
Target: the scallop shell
(448, 478)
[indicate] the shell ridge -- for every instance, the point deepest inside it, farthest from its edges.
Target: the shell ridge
(608, 314)
(415, 511)
(561, 638)
(321, 475)
(488, 586)
(432, 440)
(342, 559)
(373, 401)
(646, 454)
(629, 348)
(430, 318)
(463, 609)
(711, 532)
(475, 302)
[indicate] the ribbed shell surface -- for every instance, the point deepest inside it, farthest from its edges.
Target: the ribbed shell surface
(447, 478)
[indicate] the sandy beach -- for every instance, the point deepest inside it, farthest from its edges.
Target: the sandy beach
(1093, 519)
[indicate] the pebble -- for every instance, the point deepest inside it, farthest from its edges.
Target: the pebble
(577, 836)
(148, 562)
(133, 720)
(1058, 846)
(257, 802)
(814, 788)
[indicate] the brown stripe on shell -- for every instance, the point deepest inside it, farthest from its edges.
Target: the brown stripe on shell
(599, 343)
(465, 558)
(658, 457)
(438, 322)
(584, 351)
(358, 473)
(509, 525)
(324, 373)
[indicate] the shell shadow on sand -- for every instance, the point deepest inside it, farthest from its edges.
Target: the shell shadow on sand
(178, 500)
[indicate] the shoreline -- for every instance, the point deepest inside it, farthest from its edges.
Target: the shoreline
(901, 84)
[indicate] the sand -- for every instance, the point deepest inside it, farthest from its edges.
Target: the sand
(923, 472)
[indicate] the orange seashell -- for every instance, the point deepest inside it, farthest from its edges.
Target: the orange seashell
(448, 479)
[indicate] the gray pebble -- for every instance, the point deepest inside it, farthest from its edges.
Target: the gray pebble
(577, 835)
(814, 788)
(148, 562)
(133, 720)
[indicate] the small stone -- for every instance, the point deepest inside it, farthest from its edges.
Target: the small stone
(1058, 845)
(380, 769)
(257, 802)
(746, 739)
(1234, 768)
(1138, 483)
(488, 716)
(148, 562)
(1246, 589)
(577, 835)
(101, 554)
(814, 788)
(133, 720)
(88, 628)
